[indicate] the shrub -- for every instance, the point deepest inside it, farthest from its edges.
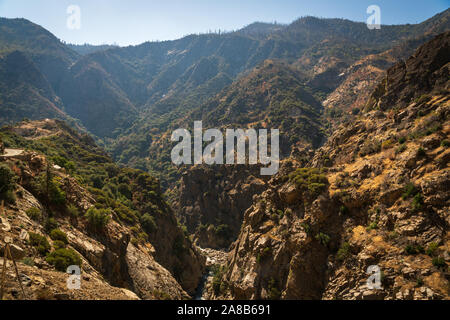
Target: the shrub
(417, 202)
(178, 246)
(402, 140)
(387, 144)
(40, 243)
(61, 259)
(355, 111)
(323, 238)
(7, 183)
(57, 234)
(343, 251)
(55, 195)
(306, 227)
(273, 291)
(34, 214)
(148, 223)
(439, 262)
(98, 218)
(372, 226)
(409, 191)
(217, 284)
(125, 190)
(73, 210)
(421, 152)
(50, 224)
(432, 248)
(419, 282)
(28, 261)
(445, 143)
(312, 179)
(401, 149)
(370, 147)
(58, 244)
(414, 249)
(343, 210)
(7, 178)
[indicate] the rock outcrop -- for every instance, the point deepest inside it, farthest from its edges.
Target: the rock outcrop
(376, 194)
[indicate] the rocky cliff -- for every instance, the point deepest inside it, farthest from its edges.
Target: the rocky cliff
(55, 219)
(377, 193)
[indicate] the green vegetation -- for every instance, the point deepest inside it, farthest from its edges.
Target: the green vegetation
(58, 244)
(323, 238)
(148, 223)
(343, 210)
(40, 243)
(7, 184)
(412, 249)
(343, 252)
(28, 261)
(372, 226)
(62, 258)
(313, 180)
(432, 249)
(98, 218)
(370, 147)
(387, 144)
(219, 286)
(439, 262)
(73, 211)
(417, 203)
(445, 143)
(34, 214)
(273, 291)
(421, 152)
(409, 191)
(50, 224)
(59, 235)
(307, 228)
(178, 247)
(402, 148)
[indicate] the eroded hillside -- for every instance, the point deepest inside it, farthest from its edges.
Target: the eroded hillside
(377, 193)
(67, 203)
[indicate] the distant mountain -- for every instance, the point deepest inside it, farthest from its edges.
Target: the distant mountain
(25, 91)
(49, 54)
(85, 49)
(140, 90)
(260, 29)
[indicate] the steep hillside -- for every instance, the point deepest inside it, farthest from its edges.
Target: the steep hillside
(211, 201)
(184, 74)
(50, 55)
(115, 220)
(375, 194)
(25, 92)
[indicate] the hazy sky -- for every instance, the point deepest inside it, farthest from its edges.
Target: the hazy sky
(135, 21)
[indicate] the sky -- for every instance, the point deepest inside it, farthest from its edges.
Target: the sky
(133, 22)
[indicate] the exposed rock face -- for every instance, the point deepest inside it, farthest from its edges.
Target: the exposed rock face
(386, 202)
(109, 255)
(166, 265)
(213, 199)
